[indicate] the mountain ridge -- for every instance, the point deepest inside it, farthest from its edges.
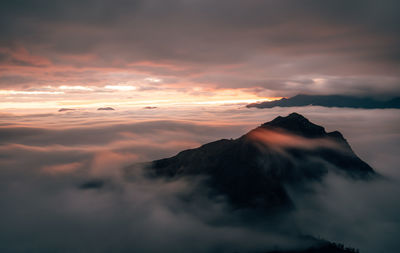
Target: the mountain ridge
(329, 101)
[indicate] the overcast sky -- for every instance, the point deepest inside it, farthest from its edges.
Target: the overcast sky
(191, 48)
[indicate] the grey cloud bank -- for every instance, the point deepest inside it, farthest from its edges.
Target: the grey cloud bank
(64, 188)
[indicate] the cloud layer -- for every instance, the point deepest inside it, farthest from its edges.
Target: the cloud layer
(63, 186)
(267, 48)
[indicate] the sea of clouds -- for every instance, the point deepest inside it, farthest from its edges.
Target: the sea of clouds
(63, 187)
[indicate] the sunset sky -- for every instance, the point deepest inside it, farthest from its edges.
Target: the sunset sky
(172, 75)
(87, 54)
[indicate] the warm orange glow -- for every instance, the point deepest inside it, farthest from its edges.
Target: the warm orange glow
(121, 96)
(281, 138)
(62, 168)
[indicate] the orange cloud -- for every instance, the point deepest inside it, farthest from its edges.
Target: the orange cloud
(62, 168)
(283, 139)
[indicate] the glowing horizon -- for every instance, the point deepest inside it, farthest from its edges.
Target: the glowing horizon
(53, 97)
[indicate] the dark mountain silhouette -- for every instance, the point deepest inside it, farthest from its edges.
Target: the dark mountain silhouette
(65, 109)
(322, 246)
(252, 171)
(330, 101)
(105, 109)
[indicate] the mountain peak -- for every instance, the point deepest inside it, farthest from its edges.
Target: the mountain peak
(297, 124)
(253, 170)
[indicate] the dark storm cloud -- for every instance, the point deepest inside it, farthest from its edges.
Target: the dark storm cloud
(204, 30)
(253, 41)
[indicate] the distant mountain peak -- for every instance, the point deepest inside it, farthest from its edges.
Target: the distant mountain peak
(297, 124)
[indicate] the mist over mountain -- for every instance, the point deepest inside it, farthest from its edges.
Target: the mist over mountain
(330, 101)
(252, 171)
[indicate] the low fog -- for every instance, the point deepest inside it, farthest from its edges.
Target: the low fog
(64, 187)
